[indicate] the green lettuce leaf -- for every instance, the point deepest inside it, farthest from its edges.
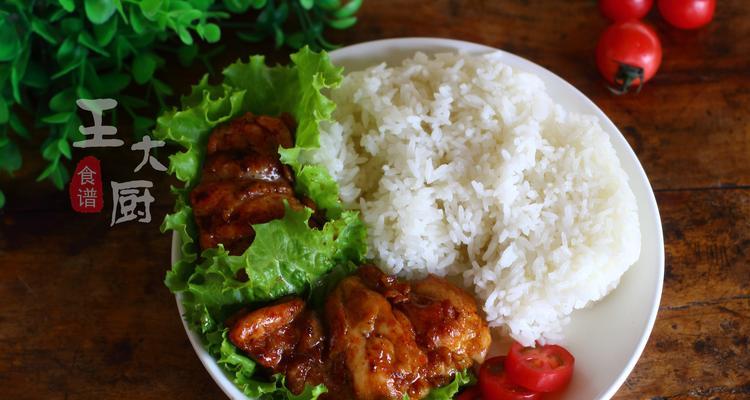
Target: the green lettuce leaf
(447, 392)
(462, 379)
(253, 86)
(287, 256)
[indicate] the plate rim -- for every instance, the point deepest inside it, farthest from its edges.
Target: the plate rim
(233, 392)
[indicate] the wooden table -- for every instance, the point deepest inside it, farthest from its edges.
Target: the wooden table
(84, 313)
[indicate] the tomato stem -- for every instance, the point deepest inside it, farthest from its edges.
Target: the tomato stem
(624, 78)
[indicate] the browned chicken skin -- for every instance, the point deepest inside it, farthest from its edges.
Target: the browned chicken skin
(447, 326)
(243, 182)
(269, 333)
(378, 338)
(374, 342)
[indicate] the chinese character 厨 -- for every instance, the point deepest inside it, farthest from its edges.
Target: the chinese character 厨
(131, 200)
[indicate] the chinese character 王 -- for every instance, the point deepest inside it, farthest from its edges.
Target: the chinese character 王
(98, 131)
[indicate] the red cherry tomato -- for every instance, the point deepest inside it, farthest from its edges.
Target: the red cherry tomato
(628, 54)
(495, 384)
(623, 10)
(472, 393)
(687, 14)
(542, 369)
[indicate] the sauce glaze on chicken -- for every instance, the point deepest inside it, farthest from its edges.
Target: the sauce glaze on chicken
(243, 182)
(376, 338)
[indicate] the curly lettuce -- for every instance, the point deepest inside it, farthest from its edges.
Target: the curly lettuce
(287, 256)
(449, 391)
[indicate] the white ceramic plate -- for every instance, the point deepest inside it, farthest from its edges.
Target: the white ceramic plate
(606, 339)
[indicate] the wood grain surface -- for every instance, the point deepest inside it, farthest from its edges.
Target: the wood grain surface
(84, 313)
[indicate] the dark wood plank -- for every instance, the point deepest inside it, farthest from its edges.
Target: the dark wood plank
(84, 313)
(700, 351)
(699, 346)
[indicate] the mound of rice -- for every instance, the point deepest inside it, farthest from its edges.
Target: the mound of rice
(463, 166)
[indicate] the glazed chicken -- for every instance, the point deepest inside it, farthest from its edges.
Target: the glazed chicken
(243, 182)
(377, 338)
(374, 343)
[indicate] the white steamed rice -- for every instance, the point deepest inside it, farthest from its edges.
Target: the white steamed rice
(464, 166)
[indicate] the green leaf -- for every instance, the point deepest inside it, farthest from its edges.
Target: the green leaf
(342, 23)
(68, 5)
(161, 87)
(315, 182)
(95, 86)
(73, 64)
(10, 157)
(296, 40)
(44, 30)
(185, 16)
(149, 8)
(138, 21)
(83, 93)
(449, 391)
(115, 82)
(4, 111)
(17, 72)
(19, 66)
(70, 130)
(328, 5)
(85, 39)
(144, 65)
(184, 35)
(36, 76)
(307, 4)
(64, 147)
(349, 9)
(51, 168)
(104, 33)
(141, 124)
(2, 199)
(4, 73)
(50, 151)
(278, 35)
(281, 13)
(71, 26)
(211, 33)
(18, 127)
(64, 101)
(58, 118)
(66, 49)
(237, 6)
(122, 49)
(60, 176)
(10, 42)
(99, 11)
(286, 257)
(58, 15)
(15, 83)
